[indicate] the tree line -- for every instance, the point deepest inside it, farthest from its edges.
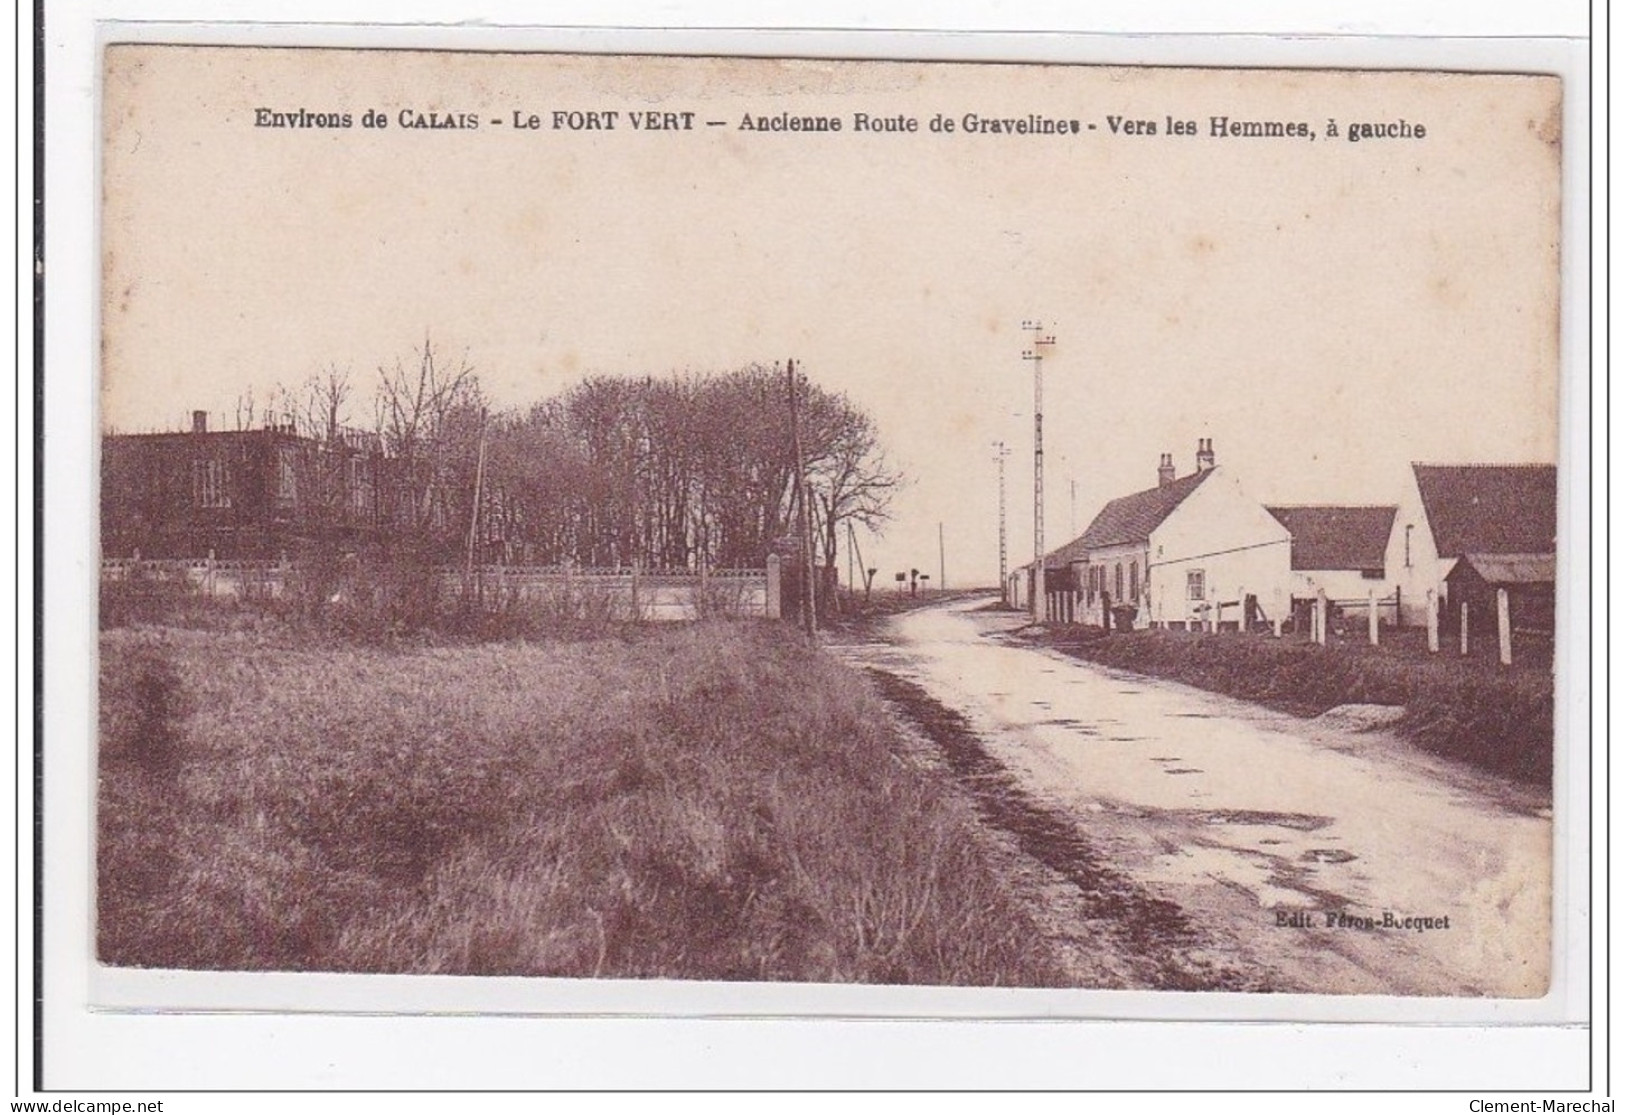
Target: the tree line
(677, 471)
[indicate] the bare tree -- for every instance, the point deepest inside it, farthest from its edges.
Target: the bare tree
(849, 476)
(427, 417)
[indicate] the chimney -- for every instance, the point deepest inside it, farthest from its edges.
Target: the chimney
(1204, 454)
(1165, 470)
(200, 421)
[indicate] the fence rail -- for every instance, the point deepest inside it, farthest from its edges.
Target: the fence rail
(624, 591)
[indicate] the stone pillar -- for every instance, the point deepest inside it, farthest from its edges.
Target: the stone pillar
(1433, 621)
(1503, 624)
(775, 600)
(1371, 615)
(1464, 628)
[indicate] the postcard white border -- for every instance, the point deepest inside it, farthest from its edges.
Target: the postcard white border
(80, 1047)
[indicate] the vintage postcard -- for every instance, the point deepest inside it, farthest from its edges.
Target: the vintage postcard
(785, 525)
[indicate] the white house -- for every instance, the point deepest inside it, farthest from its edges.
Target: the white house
(1448, 512)
(1348, 553)
(1192, 550)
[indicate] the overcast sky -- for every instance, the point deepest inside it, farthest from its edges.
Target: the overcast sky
(1325, 311)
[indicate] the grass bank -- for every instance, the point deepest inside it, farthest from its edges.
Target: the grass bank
(1499, 720)
(702, 802)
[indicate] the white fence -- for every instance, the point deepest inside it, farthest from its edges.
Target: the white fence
(254, 580)
(645, 594)
(620, 593)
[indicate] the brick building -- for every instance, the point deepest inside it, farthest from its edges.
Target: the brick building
(243, 494)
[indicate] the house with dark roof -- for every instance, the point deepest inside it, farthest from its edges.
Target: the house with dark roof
(1476, 513)
(238, 494)
(1191, 550)
(1346, 552)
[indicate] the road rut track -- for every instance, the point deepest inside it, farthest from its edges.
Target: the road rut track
(1165, 949)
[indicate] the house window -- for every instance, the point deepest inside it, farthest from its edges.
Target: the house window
(1195, 585)
(1117, 581)
(1371, 574)
(211, 483)
(1133, 580)
(1408, 528)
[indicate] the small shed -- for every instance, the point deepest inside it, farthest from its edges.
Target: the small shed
(1529, 580)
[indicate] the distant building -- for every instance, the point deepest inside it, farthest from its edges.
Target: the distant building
(1452, 512)
(1176, 555)
(1346, 552)
(241, 494)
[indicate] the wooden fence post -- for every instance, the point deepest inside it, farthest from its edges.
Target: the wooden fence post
(1371, 615)
(1433, 621)
(208, 575)
(775, 600)
(1464, 628)
(1503, 623)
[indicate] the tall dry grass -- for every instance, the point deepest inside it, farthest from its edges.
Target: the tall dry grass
(716, 801)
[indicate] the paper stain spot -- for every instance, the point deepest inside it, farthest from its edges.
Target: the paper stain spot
(1549, 129)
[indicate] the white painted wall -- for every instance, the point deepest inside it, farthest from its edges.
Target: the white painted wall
(1108, 558)
(1240, 548)
(1423, 570)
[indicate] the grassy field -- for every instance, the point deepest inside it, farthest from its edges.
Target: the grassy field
(1470, 709)
(715, 801)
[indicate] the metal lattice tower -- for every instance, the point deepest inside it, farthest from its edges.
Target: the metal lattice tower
(1000, 452)
(1040, 343)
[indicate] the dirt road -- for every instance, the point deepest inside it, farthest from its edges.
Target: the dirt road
(1249, 849)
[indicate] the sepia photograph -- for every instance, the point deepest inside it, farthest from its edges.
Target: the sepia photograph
(830, 522)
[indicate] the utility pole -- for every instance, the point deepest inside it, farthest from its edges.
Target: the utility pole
(851, 548)
(1040, 343)
(809, 598)
(1000, 452)
(942, 561)
(474, 516)
(851, 563)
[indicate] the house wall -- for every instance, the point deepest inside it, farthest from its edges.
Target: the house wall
(1019, 585)
(1108, 559)
(1339, 584)
(1239, 547)
(1418, 570)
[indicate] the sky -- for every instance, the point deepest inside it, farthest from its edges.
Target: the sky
(1326, 311)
